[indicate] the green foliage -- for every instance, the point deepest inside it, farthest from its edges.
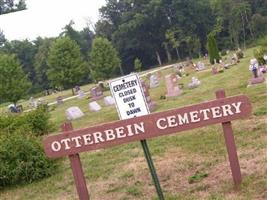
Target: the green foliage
(223, 53)
(11, 6)
(24, 51)
(14, 83)
(137, 65)
(66, 67)
(40, 62)
(213, 49)
(36, 122)
(240, 54)
(259, 23)
(198, 176)
(22, 159)
(258, 54)
(104, 60)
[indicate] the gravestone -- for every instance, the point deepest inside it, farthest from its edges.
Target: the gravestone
(33, 103)
(257, 74)
(151, 104)
(109, 101)
(214, 70)
(74, 113)
(265, 57)
(159, 75)
(171, 84)
(153, 81)
(96, 93)
(59, 100)
(200, 66)
(77, 89)
(94, 106)
(81, 94)
(194, 83)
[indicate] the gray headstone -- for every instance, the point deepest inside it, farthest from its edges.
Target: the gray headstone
(74, 113)
(94, 106)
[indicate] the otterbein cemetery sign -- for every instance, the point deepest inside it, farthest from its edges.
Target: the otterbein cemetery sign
(222, 110)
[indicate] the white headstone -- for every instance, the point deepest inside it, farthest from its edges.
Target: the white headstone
(94, 106)
(194, 83)
(81, 94)
(200, 66)
(73, 113)
(108, 100)
(154, 81)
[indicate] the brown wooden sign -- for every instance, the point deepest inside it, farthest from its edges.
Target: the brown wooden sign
(158, 124)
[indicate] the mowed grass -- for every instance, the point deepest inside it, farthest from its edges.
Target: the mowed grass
(200, 155)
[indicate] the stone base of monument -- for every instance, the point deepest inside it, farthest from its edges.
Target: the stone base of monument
(96, 98)
(257, 80)
(174, 93)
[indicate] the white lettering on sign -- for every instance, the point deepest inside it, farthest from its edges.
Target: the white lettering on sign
(198, 115)
(129, 97)
(98, 137)
(162, 123)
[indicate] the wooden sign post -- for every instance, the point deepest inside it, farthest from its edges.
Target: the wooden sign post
(77, 170)
(230, 145)
(222, 110)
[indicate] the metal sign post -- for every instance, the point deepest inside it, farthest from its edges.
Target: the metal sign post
(131, 102)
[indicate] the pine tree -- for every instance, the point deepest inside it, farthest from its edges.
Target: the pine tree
(14, 83)
(213, 49)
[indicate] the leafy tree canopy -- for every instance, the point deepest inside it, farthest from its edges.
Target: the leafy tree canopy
(14, 83)
(104, 60)
(66, 67)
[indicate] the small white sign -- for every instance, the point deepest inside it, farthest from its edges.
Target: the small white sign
(129, 96)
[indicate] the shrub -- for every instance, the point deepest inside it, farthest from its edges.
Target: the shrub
(223, 53)
(22, 159)
(36, 122)
(137, 65)
(240, 54)
(258, 54)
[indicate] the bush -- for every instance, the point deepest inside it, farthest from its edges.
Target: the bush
(240, 54)
(258, 54)
(22, 159)
(137, 65)
(223, 53)
(36, 122)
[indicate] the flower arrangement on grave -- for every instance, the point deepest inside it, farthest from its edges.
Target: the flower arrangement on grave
(253, 67)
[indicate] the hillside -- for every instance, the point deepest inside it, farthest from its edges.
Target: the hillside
(190, 165)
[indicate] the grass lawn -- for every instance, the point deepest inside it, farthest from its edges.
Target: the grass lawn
(190, 165)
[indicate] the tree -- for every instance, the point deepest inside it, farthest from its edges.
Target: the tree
(259, 24)
(24, 51)
(14, 83)
(104, 60)
(213, 49)
(8, 6)
(65, 65)
(40, 61)
(137, 65)
(2, 38)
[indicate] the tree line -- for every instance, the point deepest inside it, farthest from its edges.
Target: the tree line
(152, 32)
